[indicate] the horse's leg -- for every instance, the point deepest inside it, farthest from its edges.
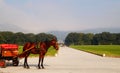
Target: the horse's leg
(39, 62)
(42, 62)
(41, 58)
(25, 62)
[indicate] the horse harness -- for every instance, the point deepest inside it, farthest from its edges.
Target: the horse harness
(37, 46)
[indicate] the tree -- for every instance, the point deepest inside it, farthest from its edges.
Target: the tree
(44, 37)
(106, 38)
(87, 38)
(74, 38)
(2, 39)
(30, 37)
(7, 35)
(19, 38)
(118, 39)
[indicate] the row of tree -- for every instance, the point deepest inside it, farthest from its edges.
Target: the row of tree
(21, 38)
(104, 38)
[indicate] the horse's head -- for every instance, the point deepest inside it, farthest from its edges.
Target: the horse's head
(54, 43)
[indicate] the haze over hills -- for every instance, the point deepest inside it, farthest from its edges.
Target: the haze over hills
(61, 35)
(11, 27)
(99, 30)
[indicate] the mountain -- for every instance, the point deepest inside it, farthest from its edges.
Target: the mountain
(99, 30)
(61, 35)
(11, 27)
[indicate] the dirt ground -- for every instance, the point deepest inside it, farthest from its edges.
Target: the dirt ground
(69, 60)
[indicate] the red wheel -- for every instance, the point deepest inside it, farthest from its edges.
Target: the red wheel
(2, 63)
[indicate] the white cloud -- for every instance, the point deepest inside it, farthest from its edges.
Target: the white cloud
(43, 16)
(12, 15)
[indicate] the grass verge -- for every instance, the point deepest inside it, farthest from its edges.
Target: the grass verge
(107, 50)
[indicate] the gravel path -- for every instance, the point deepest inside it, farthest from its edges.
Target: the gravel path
(69, 61)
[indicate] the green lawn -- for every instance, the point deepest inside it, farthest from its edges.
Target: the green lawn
(108, 50)
(51, 52)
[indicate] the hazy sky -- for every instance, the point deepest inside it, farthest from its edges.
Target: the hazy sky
(47, 15)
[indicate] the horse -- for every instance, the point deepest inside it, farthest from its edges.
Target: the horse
(38, 48)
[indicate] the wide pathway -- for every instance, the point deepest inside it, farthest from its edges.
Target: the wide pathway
(69, 61)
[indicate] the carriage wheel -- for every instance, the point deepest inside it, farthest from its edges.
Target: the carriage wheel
(15, 62)
(2, 63)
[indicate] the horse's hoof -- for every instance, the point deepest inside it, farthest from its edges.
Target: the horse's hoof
(27, 67)
(43, 68)
(24, 66)
(39, 67)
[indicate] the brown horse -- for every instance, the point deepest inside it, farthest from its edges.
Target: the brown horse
(41, 49)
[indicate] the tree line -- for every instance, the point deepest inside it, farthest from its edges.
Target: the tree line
(21, 38)
(104, 38)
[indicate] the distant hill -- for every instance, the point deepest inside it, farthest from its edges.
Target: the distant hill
(99, 30)
(11, 27)
(61, 35)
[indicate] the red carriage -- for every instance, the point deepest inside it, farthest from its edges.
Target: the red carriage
(8, 52)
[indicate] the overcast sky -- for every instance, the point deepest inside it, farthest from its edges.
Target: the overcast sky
(66, 15)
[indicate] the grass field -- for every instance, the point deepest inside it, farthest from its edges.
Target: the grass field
(108, 50)
(51, 52)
